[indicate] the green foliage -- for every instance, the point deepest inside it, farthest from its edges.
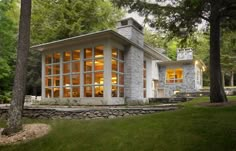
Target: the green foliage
(180, 17)
(8, 33)
(228, 52)
(160, 40)
(58, 19)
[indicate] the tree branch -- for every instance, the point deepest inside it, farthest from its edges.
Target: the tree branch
(205, 18)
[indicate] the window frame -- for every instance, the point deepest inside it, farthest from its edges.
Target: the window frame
(174, 79)
(93, 71)
(51, 76)
(118, 72)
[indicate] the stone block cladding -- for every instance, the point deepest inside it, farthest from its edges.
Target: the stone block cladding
(134, 75)
(188, 84)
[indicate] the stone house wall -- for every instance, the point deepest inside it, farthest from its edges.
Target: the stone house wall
(188, 84)
(134, 75)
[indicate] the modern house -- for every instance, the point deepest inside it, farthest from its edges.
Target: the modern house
(113, 67)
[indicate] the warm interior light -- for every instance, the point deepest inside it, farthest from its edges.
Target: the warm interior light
(203, 69)
(67, 86)
(99, 56)
(196, 62)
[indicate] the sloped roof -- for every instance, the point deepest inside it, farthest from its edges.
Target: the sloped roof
(111, 34)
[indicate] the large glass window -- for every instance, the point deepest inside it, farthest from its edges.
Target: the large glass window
(93, 71)
(88, 53)
(48, 81)
(98, 78)
(48, 92)
(66, 56)
(117, 78)
(99, 91)
(48, 70)
(144, 79)
(76, 55)
(88, 65)
(68, 64)
(56, 80)
(71, 73)
(66, 80)
(48, 59)
(66, 91)
(56, 57)
(75, 66)
(99, 51)
(52, 75)
(88, 78)
(56, 92)
(88, 91)
(98, 64)
(76, 92)
(56, 69)
(66, 68)
(75, 79)
(174, 76)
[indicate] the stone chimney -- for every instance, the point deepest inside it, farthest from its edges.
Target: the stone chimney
(184, 54)
(132, 30)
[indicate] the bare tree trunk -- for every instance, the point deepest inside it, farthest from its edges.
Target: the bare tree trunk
(15, 112)
(217, 93)
(232, 78)
(223, 79)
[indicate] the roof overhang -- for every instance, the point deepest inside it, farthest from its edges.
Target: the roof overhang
(106, 34)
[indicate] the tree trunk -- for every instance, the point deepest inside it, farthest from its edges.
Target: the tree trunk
(217, 93)
(223, 79)
(15, 112)
(232, 78)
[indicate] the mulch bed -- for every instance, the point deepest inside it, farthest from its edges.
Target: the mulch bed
(29, 132)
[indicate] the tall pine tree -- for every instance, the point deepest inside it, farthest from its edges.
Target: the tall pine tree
(16, 108)
(184, 16)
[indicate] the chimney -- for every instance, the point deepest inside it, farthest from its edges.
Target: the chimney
(132, 30)
(184, 54)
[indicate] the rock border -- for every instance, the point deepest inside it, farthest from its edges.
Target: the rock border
(72, 113)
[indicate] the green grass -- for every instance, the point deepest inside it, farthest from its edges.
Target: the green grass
(192, 128)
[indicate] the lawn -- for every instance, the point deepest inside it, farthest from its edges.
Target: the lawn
(192, 128)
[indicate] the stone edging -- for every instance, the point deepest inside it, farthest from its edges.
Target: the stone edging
(85, 114)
